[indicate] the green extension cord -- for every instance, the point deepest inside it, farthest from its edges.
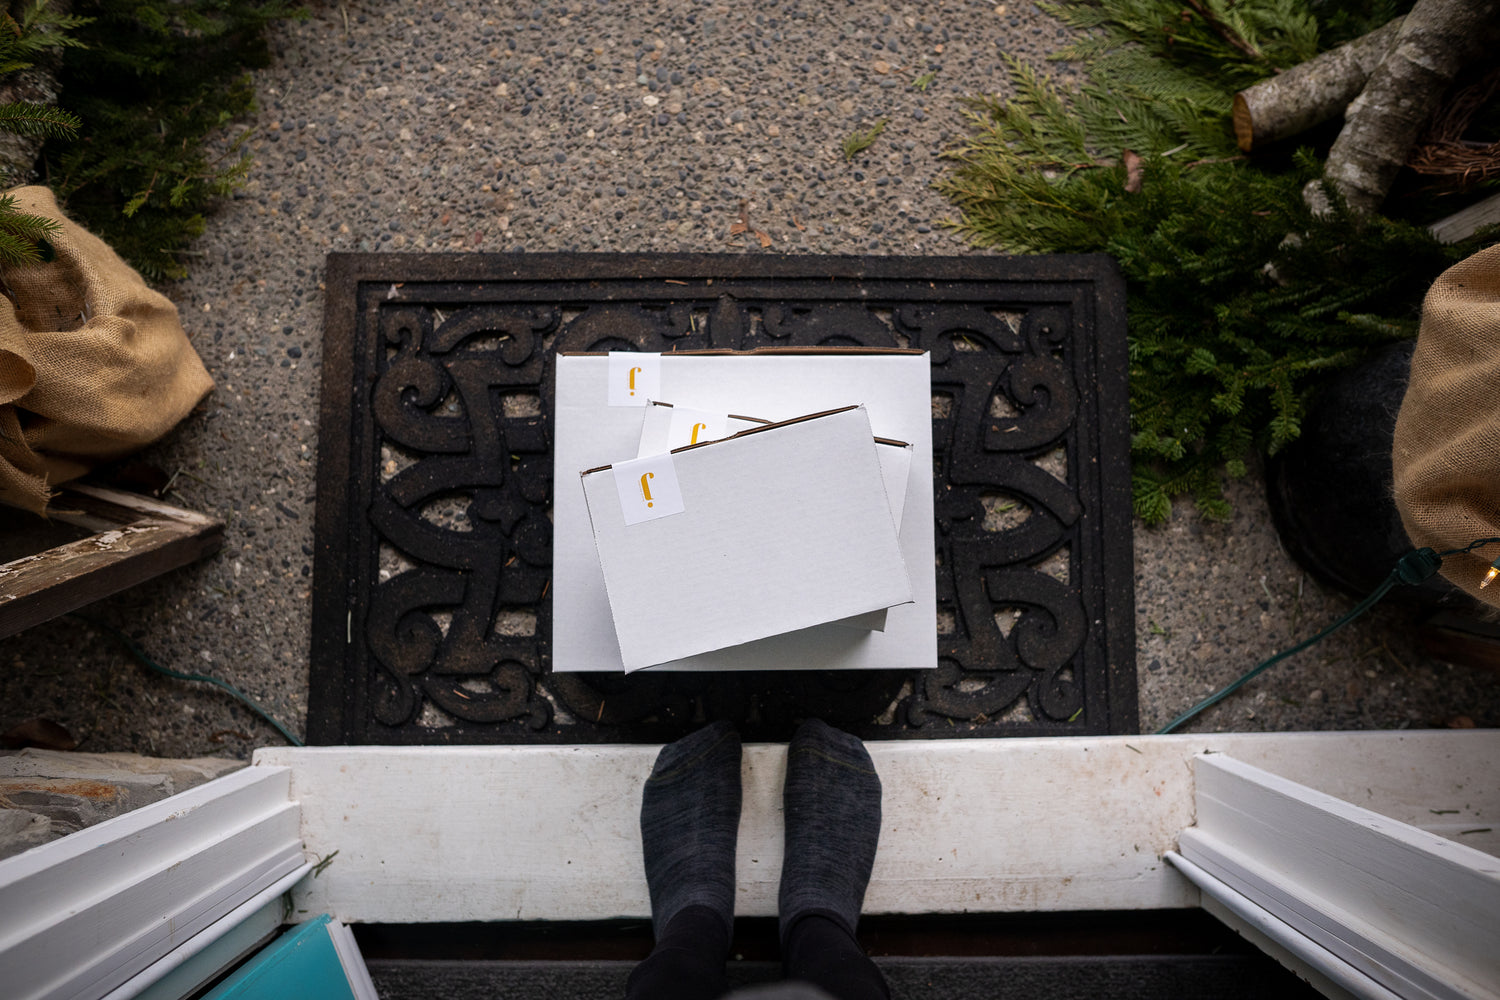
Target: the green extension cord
(139, 655)
(1413, 568)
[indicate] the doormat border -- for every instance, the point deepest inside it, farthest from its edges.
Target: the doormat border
(1083, 296)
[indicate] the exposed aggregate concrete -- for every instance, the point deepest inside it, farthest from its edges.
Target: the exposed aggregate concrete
(599, 125)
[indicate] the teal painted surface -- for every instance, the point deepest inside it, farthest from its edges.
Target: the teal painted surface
(302, 964)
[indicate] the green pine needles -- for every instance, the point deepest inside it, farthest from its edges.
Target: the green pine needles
(159, 80)
(152, 82)
(23, 237)
(39, 31)
(1239, 299)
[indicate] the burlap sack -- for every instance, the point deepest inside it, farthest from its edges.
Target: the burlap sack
(1446, 454)
(93, 363)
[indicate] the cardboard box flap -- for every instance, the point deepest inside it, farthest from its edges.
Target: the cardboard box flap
(666, 426)
(768, 426)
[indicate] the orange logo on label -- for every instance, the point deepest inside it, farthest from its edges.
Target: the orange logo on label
(696, 429)
(646, 489)
(632, 382)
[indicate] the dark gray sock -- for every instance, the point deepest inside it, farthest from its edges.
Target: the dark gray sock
(832, 804)
(690, 819)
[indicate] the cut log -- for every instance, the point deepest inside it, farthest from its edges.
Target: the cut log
(1312, 93)
(1436, 40)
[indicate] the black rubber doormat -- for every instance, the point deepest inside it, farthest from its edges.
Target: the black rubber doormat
(432, 618)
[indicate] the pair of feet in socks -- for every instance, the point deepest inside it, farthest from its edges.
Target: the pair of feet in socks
(690, 815)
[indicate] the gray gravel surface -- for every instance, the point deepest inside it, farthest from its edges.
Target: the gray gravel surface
(603, 125)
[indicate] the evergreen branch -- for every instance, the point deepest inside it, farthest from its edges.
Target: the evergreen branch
(48, 28)
(859, 141)
(1227, 33)
(22, 225)
(162, 81)
(19, 246)
(24, 118)
(1232, 325)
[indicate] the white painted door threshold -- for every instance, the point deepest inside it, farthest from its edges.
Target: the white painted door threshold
(437, 834)
(1366, 862)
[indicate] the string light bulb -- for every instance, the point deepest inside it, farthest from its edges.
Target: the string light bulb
(1489, 577)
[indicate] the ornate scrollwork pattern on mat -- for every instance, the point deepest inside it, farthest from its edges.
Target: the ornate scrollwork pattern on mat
(449, 554)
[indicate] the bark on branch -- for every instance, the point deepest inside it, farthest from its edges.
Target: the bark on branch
(1312, 93)
(1436, 40)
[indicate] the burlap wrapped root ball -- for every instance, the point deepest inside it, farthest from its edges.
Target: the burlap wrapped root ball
(1446, 453)
(94, 364)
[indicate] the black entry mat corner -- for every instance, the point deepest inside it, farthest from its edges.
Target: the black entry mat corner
(432, 612)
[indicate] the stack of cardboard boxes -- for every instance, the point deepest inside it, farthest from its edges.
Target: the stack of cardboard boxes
(743, 511)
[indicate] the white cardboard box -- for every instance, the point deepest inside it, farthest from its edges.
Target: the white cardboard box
(895, 388)
(775, 529)
(666, 427)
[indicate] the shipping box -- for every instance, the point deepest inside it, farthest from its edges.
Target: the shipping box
(667, 426)
(598, 421)
(778, 528)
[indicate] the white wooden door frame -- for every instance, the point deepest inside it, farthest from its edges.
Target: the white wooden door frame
(551, 833)
(83, 916)
(220, 944)
(1411, 912)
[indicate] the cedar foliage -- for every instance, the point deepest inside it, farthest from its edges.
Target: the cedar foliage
(1232, 322)
(158, 82)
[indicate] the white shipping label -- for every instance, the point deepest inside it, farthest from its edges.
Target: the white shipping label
(634, 379)
(695, 426)
(648, 488)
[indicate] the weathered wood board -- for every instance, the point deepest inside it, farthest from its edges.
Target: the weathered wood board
(134, 539)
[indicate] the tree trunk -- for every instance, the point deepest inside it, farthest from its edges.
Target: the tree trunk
(1311, 93)
(1436, 40)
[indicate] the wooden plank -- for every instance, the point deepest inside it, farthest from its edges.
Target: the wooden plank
(552, 833)
(84, 914)
(1412, 910)
(135, 539)
(1314, 964)
(1466, 222)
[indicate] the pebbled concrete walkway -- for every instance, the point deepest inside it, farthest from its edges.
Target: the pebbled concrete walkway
(456, 125)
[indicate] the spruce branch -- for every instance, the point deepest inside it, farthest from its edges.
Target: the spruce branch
(163, 81)
(22, 234)
(25, 118)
